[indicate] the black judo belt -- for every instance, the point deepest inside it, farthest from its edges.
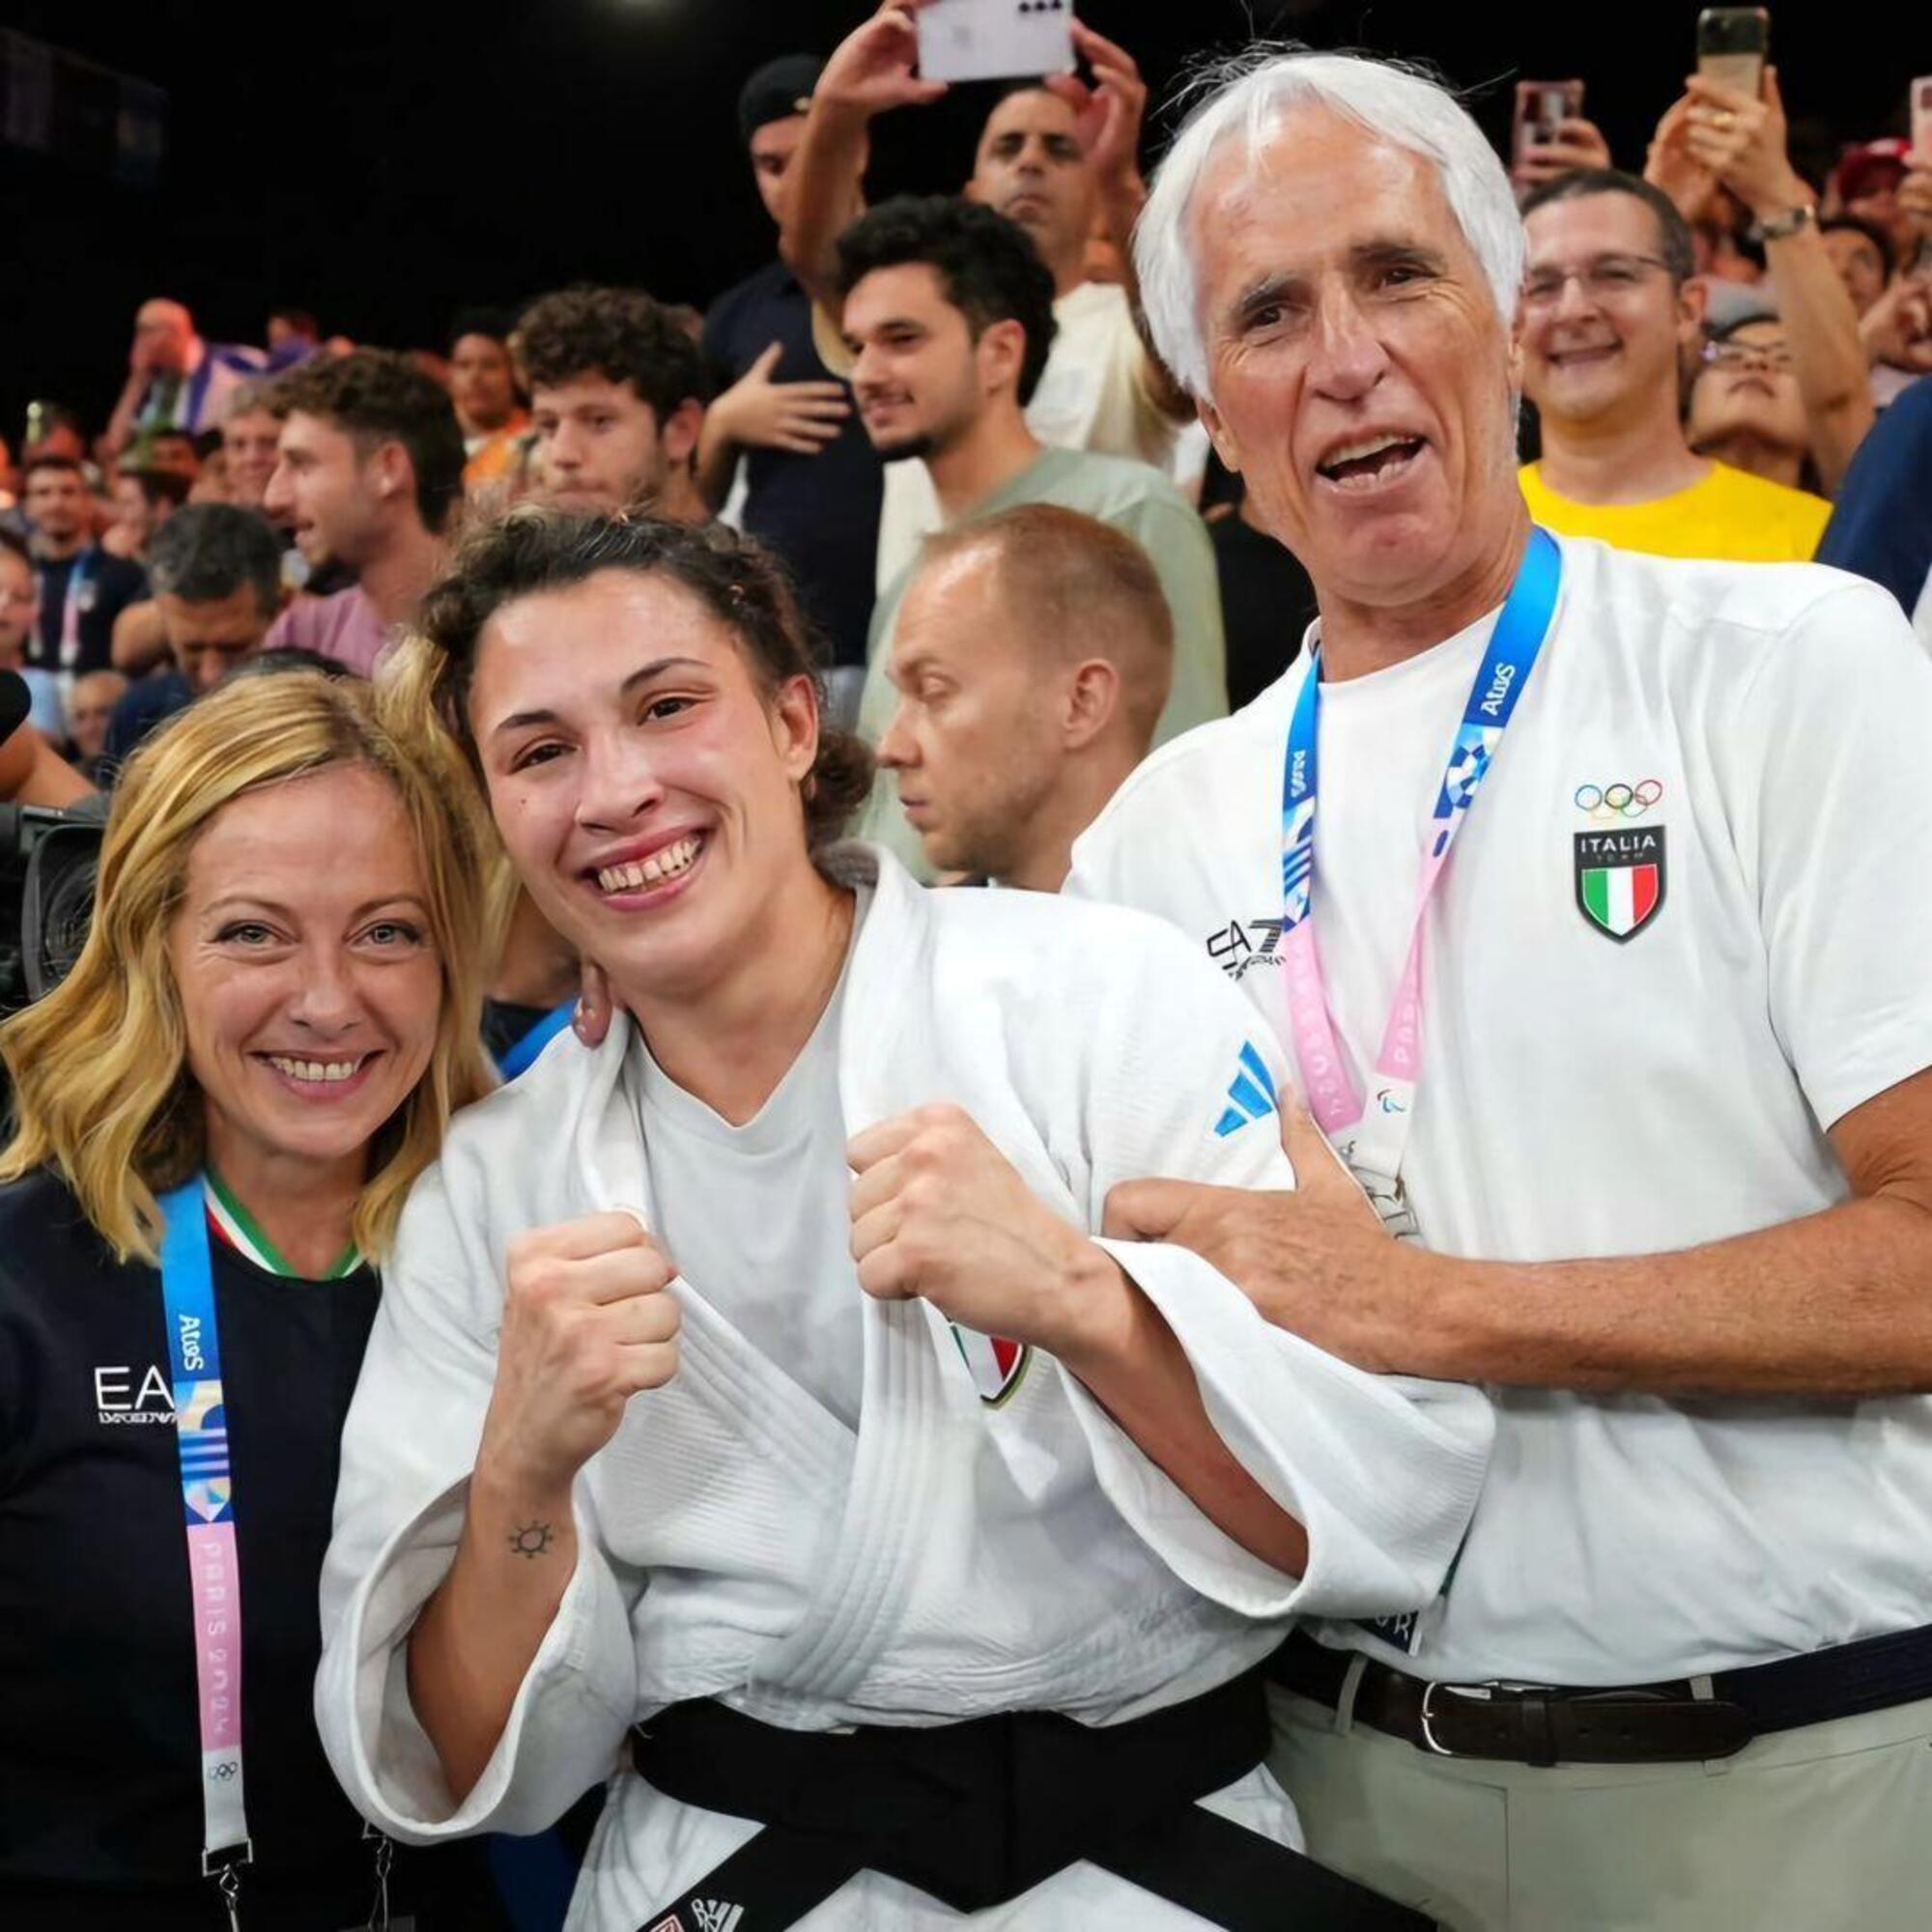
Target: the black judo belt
(978, 1812)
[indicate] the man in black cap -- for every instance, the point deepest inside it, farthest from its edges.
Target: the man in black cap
(811, 480)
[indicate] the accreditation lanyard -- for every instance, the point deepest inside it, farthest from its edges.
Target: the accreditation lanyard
(76, 600)
(208, 1499)
(1373, 1138)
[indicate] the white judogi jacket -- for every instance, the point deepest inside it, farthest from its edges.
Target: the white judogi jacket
(952, 1559)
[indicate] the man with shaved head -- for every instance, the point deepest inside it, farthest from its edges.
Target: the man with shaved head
(175, 379)
(1602, 968)
(1031, 660)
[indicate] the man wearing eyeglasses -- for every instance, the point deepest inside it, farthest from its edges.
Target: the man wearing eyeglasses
(1610, 308)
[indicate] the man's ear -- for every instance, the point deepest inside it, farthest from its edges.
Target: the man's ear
(1694, 305)
(391, 473)
(1091, 699)
(681, 430)
(1002, 352)
(1219, 434)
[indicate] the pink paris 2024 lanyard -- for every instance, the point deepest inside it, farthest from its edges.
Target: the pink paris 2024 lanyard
(1372, 1138)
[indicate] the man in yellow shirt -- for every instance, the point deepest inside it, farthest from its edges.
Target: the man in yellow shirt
(1609, 304)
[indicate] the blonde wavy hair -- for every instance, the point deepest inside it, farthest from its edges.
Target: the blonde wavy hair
(100, 1067)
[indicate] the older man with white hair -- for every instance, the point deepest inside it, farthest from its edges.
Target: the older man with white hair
(1604, 969)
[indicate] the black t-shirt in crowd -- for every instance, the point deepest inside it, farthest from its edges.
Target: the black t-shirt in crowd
(108, 584)
(820, 513)
(1266, 603)
(100, 1816)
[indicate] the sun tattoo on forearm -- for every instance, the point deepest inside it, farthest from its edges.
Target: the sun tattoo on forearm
(531, 1539)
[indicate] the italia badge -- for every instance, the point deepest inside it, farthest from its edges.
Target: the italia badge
(1620, 878)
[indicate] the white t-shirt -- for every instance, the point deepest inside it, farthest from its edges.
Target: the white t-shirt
(1585, 1094)
(758, 1216)
(1092, 396)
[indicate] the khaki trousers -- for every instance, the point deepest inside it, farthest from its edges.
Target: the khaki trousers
(1807, 1830)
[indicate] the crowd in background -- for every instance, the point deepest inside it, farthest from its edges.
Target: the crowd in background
(1022, 545)
(1707, 340)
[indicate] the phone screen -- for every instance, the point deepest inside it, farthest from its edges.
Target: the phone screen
(1732, 43)
(995, 40)
(1542, 106)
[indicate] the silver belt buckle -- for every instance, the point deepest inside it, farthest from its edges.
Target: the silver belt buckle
(1429, 1690)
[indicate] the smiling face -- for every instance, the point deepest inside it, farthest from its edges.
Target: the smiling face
(1359, 371)
(307, 978)
(249, 441)
(1603, 341)
(920, 378)
(644, 785)
(1030, 166)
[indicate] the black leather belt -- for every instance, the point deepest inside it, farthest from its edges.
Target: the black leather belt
(977, 1813)
(1629, 1723)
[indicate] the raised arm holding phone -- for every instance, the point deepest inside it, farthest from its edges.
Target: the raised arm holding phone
(1715, 135)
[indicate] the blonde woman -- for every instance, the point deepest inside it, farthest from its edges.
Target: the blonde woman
(219, 1114)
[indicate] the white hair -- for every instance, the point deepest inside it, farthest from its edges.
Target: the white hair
(1249, 94)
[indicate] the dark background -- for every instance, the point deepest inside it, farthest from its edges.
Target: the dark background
(383, 165)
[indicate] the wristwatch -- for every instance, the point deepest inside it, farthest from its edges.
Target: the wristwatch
(1782, 227)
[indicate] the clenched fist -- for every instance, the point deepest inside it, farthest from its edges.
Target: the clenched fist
(587, 1325)
(939, 1213)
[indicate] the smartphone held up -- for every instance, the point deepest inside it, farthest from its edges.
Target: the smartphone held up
(995, 40)
(1733, 45)
(1542, 106)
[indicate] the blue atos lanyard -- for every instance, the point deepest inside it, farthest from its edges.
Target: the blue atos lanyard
(1372, 1140)
(208, 1499)
(78, 601)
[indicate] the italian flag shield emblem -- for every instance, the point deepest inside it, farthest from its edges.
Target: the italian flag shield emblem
(1620, 879)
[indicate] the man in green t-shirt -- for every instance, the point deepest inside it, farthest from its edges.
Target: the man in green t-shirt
(948, 312)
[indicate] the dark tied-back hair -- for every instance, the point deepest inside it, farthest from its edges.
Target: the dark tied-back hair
(1675, 243)
(738, 581)
(621, 335)
(987, 267)
(380, 396)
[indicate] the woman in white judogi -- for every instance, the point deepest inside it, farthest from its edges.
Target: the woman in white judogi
(669, 1420)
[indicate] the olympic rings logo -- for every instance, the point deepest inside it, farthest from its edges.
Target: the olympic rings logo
(1619, 800)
